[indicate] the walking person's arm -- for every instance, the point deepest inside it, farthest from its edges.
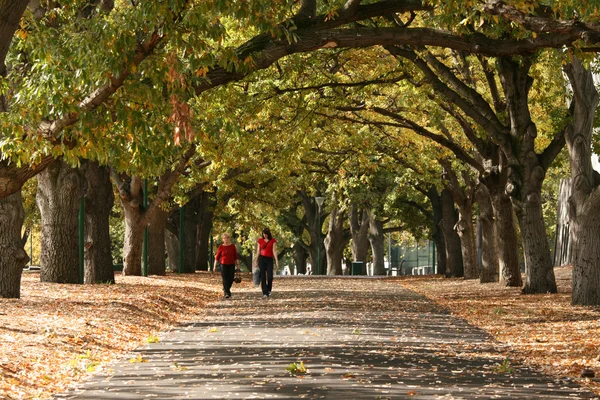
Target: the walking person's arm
(275, 255)
(256, 253)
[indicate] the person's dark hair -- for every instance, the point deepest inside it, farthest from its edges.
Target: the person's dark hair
(267, 232)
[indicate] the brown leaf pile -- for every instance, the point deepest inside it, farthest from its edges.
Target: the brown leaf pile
(544, 331)
(56, 334)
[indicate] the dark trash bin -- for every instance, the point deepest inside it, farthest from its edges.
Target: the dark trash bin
(357, 268)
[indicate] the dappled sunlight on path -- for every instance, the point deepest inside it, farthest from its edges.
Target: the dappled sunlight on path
(357, 338)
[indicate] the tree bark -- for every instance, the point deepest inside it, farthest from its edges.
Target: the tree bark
(463, 198)
(489, 252)
(507, 241)
(359, 229)
(99, 201)
(190, 228)
(454, 261)
(300, 256)
(205, 224)
(172, 244)
(377, 244)
(134, 238)
(584, 204)
(335, 241)
(156, 243)
(12, 255)
(563, 244)
(60, 188)
(314, 221)
(527, 171)
(436, 222)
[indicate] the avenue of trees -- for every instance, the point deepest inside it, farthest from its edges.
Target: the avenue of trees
(192, 117)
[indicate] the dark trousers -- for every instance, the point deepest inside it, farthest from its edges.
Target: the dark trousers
(265, 264)
(227, 274)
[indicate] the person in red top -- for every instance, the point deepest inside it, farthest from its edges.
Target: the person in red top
(227, 256)
(266, 254)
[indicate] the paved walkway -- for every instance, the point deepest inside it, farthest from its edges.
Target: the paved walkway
(358, 339)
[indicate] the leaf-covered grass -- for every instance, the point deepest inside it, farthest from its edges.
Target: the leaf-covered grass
(57, 334)
(544, 331)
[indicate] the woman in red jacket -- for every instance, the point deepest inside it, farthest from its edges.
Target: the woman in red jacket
(266, 254)
(227, 256)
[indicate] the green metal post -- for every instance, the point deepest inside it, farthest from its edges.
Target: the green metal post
(181, 238)
(145, 243)
(81, 223)
(319, 243)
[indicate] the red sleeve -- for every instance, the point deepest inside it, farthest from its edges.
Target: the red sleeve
(218, 255)
(235, 253)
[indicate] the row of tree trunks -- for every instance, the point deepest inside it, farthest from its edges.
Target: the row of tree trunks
(584, 203)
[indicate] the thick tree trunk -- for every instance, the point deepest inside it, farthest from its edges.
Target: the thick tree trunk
(463, 194)
(172, 244)
(314, 220)
(377, 244)
(527, 170)
(438, 235)
(489, 251)
(539, 272)
(133, 241)
(99, 201)
(156, 243)
(59, 193)
(12, 255)
(359, 229)
(562, 243)
(205, 224)
(466, 232)
(336, 241)
(454, 261)
(584, 204)
(300, 256)
(190, 228)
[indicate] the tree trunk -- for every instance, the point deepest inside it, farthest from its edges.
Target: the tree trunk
(562, 243)
(438, 235)
(314, 220)
(527, 170)
(133, 241)
(190, 228)
(584, 204)
(12, 255)
(156, 243)
(454, 261)
(466, 232)
(336, 241)
(172, 244)
(507, 241)
(205, 224)
(359, 229)
(59, 193)
(489, 252)
(377, 244)
(539, 272)
(300, 256)
(99, 201)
